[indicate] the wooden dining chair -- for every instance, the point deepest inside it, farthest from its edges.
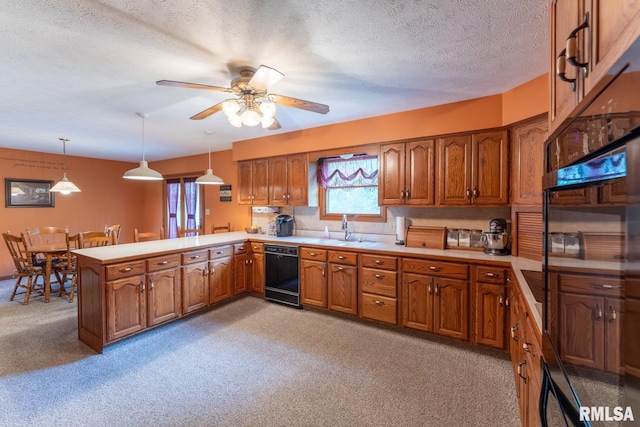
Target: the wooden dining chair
(46, 236)
(188, 232)
(69, 266)
(25, 269)
(93, 239)
(113, 229)
(139, 236)
(220, 228)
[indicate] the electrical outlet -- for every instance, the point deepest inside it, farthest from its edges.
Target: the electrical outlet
(207, 212)
(392, 226)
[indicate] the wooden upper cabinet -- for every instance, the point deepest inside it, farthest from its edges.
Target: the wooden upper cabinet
(528, 162)
(406, 173)
(288, 180)
(252, 182)
(473, 169)
(490, 168)
(454, 170)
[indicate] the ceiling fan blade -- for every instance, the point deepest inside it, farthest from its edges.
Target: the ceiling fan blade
(265, 77)
(275, 125)
(192, 85)
(209, 111)
(299, 103)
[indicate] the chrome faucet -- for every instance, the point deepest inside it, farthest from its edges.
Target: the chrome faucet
(345, 227)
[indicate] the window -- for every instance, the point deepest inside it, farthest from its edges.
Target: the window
(349, 186)
(184, 205)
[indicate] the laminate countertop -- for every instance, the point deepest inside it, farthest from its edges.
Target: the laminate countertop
(128, 251)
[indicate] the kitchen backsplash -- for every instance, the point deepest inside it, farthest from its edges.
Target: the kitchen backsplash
(308, 224)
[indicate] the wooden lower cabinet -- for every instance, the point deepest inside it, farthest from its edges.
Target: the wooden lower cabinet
(343, 282)
(163, 296)
(126, 306)
(220, 279)
(378, 283)
(490, 306)
(313, 277)
(432, 303)
(195, 286)
(256, 268)
(241, 273)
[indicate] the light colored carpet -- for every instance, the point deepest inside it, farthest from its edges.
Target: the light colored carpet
(248, 363)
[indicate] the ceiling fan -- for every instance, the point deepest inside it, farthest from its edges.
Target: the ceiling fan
(254, 104)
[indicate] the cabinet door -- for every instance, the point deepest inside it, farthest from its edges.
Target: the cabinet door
(451, 308)
(163, 296)
(581, 325)
(195, 288)
(257, 273)
(420, 173)
(417, 300)
(528, 162)
(278, 181)
(245, 182)
(220, 279)
(490, 314)
(615, 193)
(614, 319)
(313, 282)
(240, 274)
(391, 167)
(260, 181)
(297, 180)
(490, 168)
(126, 306)
(343, 288)
(454, 170)
(582, 196)
(565, 15)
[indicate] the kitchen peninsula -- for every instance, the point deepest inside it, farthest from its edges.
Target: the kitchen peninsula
(129, 288)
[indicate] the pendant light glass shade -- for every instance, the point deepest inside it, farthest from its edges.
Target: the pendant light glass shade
(209, 178)
(143, 172)
(64, 186)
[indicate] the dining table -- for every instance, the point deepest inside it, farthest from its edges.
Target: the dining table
(49, 250)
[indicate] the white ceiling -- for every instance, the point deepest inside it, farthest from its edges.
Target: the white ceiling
(81, 69)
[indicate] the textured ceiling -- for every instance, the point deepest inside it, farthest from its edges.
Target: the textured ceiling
(81, 69)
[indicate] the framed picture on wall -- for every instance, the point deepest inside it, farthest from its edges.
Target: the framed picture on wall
(28, 193)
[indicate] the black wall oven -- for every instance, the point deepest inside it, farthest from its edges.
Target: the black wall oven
(281, 274)
(591, 316)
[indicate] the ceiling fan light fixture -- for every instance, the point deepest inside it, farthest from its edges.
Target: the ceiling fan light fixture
(268, 109)
(267, 121)
(250, 117)
(64, 186)
(230, 107)
(143, 172)
(235, 120)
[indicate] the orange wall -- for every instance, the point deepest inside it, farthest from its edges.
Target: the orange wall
(527, 100)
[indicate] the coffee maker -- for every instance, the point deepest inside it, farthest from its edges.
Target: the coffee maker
(284, 225)
(497, 240)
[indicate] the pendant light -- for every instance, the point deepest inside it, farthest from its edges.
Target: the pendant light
(209, 178)
(64, 186)
(143, 172)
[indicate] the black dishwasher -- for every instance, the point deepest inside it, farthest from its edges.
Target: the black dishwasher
(281, 274)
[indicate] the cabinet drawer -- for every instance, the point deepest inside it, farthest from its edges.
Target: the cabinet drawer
(378, 261)
(163, 262)
(379, 308)
(220, 252)
(435, 268)
(124, 269)
(315, 254)
(349, 258)
(583, 284)
(490, 275)
(380, 282)
(240, 248)
(195, 256)
(257, 248)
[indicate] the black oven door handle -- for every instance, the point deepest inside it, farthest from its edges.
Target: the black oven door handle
(570, 415)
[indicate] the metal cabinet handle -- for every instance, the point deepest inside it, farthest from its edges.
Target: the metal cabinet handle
(501, 299)
(605, 286)
(506, 302)
(142, 287)
(572, 46)
(491, 274)
(165, 262)
(525, 347)
(612, 314)
(219, 252)
(509, 280)
(125, 270)
(150, 284)
(432, 268)
(561, 66)
(402, 194)
(312, 254)
(378, 276)
(514, 328)
(475, 192)
(468, 193)
(195, 256)
(408, 194)
(524, 362)
(341, 257)
(437, 292)
(323, 272)
(378, 303)
(378, 262)
(598, 312)
(430, 289)
(340, 268)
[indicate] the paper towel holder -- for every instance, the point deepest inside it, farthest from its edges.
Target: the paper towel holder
(400, 224)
